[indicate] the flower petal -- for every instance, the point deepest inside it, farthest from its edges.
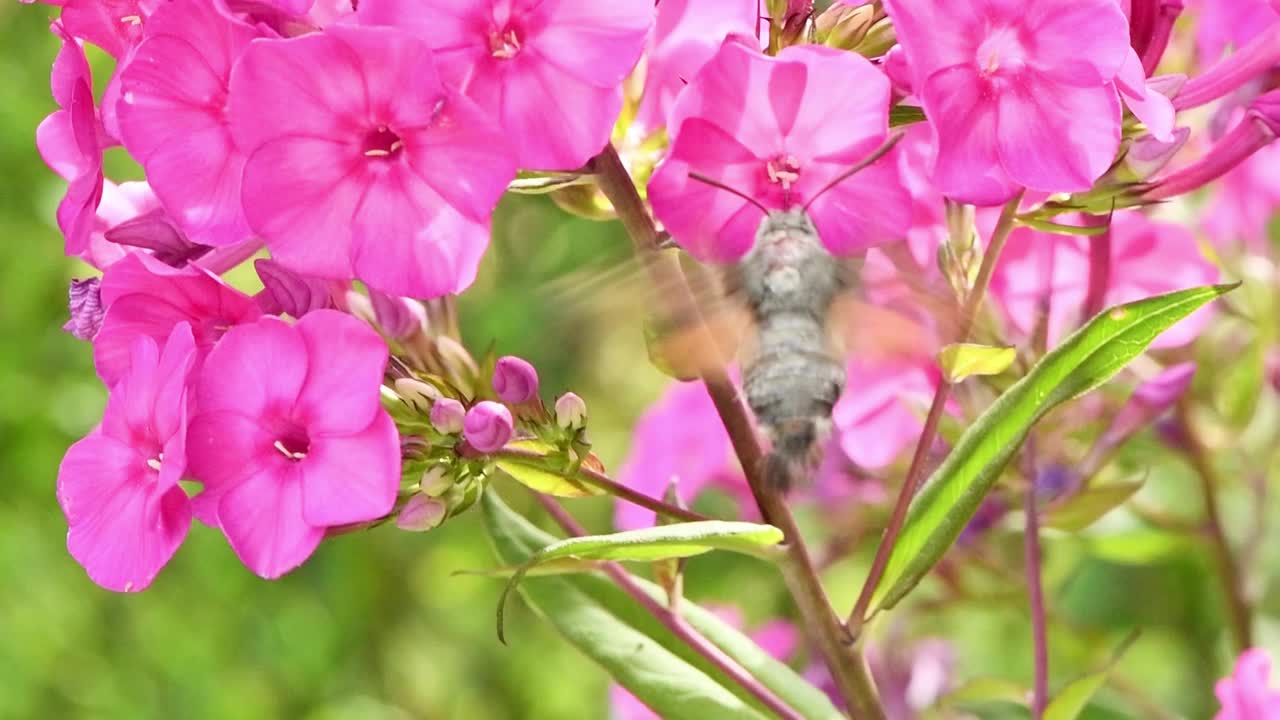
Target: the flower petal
(1057, 138)
(346, 360)
(967, 167)
(352, 478)
(262, 519)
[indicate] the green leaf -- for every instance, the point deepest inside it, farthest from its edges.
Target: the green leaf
(1060, 229)
(543, 183)
(960, 360)
(640, 653)
(1082, 362)
(539, 473)
(651, 544)
(1075, 696)
(1086, 507)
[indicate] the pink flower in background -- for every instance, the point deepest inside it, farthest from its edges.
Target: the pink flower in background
(764, 127)
(70, 141)
(362, 162)
(1020, 94)
(1245, 200)
(549, 71)
(882, 410)
(173, 116)
(118, 487)
(1042, 270)
(146, 298)
(686, 34)
(289, 436)
(1247, 693)
(678, 439)
(1223, 24)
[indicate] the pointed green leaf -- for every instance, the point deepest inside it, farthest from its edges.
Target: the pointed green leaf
(651, 544)
(639, 652)
(1072, 699)
(960, 360)
(538, 473)
(1082, 362)
(987, 689)
(1086, 507)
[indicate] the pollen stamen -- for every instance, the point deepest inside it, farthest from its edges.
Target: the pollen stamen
(279, 445)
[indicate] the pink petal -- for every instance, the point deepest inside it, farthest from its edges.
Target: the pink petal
(559, 136)
(1148, 105)
(109, 24)
(597, 43)
(149, 401)
(727, 88)
(345, 363)
(1057, 138)
(223, 448)
(463, 156)
(837, 85)
(934, 33)
(871, 208)
(56, 142)
(352, 478)
(1077, 42)
(122, 531)
(255, 368)
(262, 519)
(968, 166)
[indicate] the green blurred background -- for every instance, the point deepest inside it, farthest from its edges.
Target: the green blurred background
(376, 624)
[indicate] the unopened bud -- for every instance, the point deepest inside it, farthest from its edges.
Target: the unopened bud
(285, 291)
(359, 305)
(422, 396)
(398, 317)
(84, 300)
(447, 416)
(421, 513)
(514, 380)
(571, 411)
(154, 231)
(456, 360)
(435, 481)
(844, 27)
(488, 426)
(1147, 155)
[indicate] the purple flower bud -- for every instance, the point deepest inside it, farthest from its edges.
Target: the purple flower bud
(488, 426)
(447, 416)
(1052, 481)
(1150, 25)
(435, 481)
(287, 292)
(1172, 433)
(571, 411)
(1148, 156)
(154, 231)
(515, 380)
(85, 303)
(420, 514)
(1256, 57)
(399, 317)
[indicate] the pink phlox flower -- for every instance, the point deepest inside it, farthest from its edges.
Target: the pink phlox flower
(116, 26)
(1245, 200)
(173, 116)
(881, 412)
(549, 71)
(686, 34)
(1247, 694)
(71, 143)
(678, 439)
(1040, 271)
(145, 297)
(118, 487)
(1223, 24)
(290, 438)
(1020, 94)
(1144, 99)
(764, 127)
(363, 163)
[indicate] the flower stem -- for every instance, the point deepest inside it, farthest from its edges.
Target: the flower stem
(1095, 297)
(676, 623)
(969, 316)
(612, 487)
(842, 656)
(1035, 595)
(1237, 607)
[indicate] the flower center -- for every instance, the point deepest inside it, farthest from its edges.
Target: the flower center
(1001, 50)
(293, 444)
(381, 142)
(783, 170)
(504, 43)
(154, 463)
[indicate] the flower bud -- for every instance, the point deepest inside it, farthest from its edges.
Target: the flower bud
(1273, 368)
(359, 305)
(843, 27)
(85, 302)
(447, 416)
(515, 380)
(420, 514)
(154, 231)
(1256, 57)
(1147, 155)
(398, 317)
(488, 426)
(1150, 25)
(1251, 134)
(435, 481)
(456, 360)
(571, 411)
(287, 292)
(422, 396)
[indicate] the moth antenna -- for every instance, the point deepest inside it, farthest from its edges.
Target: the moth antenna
(717, 184)
(879, 152)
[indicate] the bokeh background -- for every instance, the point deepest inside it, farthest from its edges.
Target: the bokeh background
(378, 625)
